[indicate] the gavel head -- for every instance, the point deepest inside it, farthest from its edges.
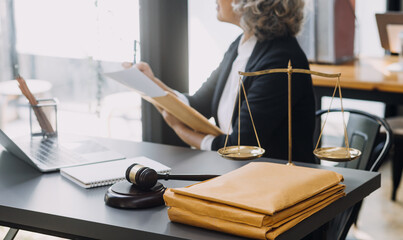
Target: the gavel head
(142, 177)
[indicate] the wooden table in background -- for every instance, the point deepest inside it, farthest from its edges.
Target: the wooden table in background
(364, 79)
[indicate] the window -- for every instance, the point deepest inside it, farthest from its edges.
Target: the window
(70, 43)
(209, 39)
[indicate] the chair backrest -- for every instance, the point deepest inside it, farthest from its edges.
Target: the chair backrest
(363, 131)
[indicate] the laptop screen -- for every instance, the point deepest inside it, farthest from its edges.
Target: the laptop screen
(390, 26)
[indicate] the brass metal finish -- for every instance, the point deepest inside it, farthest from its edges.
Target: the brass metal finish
(289, 71)
(336, 154)
(241, 152)
(295, 70)
(339, 154)
(133, 172)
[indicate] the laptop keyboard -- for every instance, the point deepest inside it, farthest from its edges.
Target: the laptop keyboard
(50, 153)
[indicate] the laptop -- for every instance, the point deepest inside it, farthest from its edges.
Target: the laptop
(390, 25)
(51, 154)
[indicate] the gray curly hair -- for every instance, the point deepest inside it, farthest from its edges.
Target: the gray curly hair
(269, 19)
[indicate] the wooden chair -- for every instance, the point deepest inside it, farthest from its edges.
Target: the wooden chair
(363, 130)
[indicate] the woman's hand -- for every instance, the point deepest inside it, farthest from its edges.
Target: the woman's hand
(184, 132)
(146, 69)
(142, 66)
(127, 65)
(171, 120)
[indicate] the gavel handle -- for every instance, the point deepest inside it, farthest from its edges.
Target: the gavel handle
(186, 177)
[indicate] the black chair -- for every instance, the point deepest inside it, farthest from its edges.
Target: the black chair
(363, 130)
(396, 124)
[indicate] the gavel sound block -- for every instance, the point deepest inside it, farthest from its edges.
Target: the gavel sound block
(142, 189)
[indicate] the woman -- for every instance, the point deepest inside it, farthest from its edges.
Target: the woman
(268, 41)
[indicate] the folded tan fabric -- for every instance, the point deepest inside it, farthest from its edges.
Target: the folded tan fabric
(265, 232)
(259, 200)
(234, 214)
(264, 187)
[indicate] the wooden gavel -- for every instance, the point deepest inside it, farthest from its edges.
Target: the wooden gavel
(145, 177)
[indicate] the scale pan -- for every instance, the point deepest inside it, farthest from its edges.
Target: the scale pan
(337, 154)
(241, 152)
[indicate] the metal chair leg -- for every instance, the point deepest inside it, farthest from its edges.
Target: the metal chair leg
(11, 234)
(397, 166)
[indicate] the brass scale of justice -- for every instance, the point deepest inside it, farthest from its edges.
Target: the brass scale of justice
(336, 154)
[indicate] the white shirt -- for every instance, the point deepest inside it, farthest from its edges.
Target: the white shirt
(229, 94)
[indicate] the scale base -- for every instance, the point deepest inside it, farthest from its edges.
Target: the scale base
(126, 195)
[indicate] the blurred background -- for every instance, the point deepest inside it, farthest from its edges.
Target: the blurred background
(65, 46)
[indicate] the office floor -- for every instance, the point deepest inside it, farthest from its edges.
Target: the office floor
(380, 218)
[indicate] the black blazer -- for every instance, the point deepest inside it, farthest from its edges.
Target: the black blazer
(268, 97)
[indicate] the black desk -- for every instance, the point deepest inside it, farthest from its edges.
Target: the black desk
(50, 204)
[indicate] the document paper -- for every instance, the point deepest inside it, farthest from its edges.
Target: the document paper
(138, 81)
(150, 91)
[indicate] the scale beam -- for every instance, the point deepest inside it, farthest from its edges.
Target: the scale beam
(338, 154)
